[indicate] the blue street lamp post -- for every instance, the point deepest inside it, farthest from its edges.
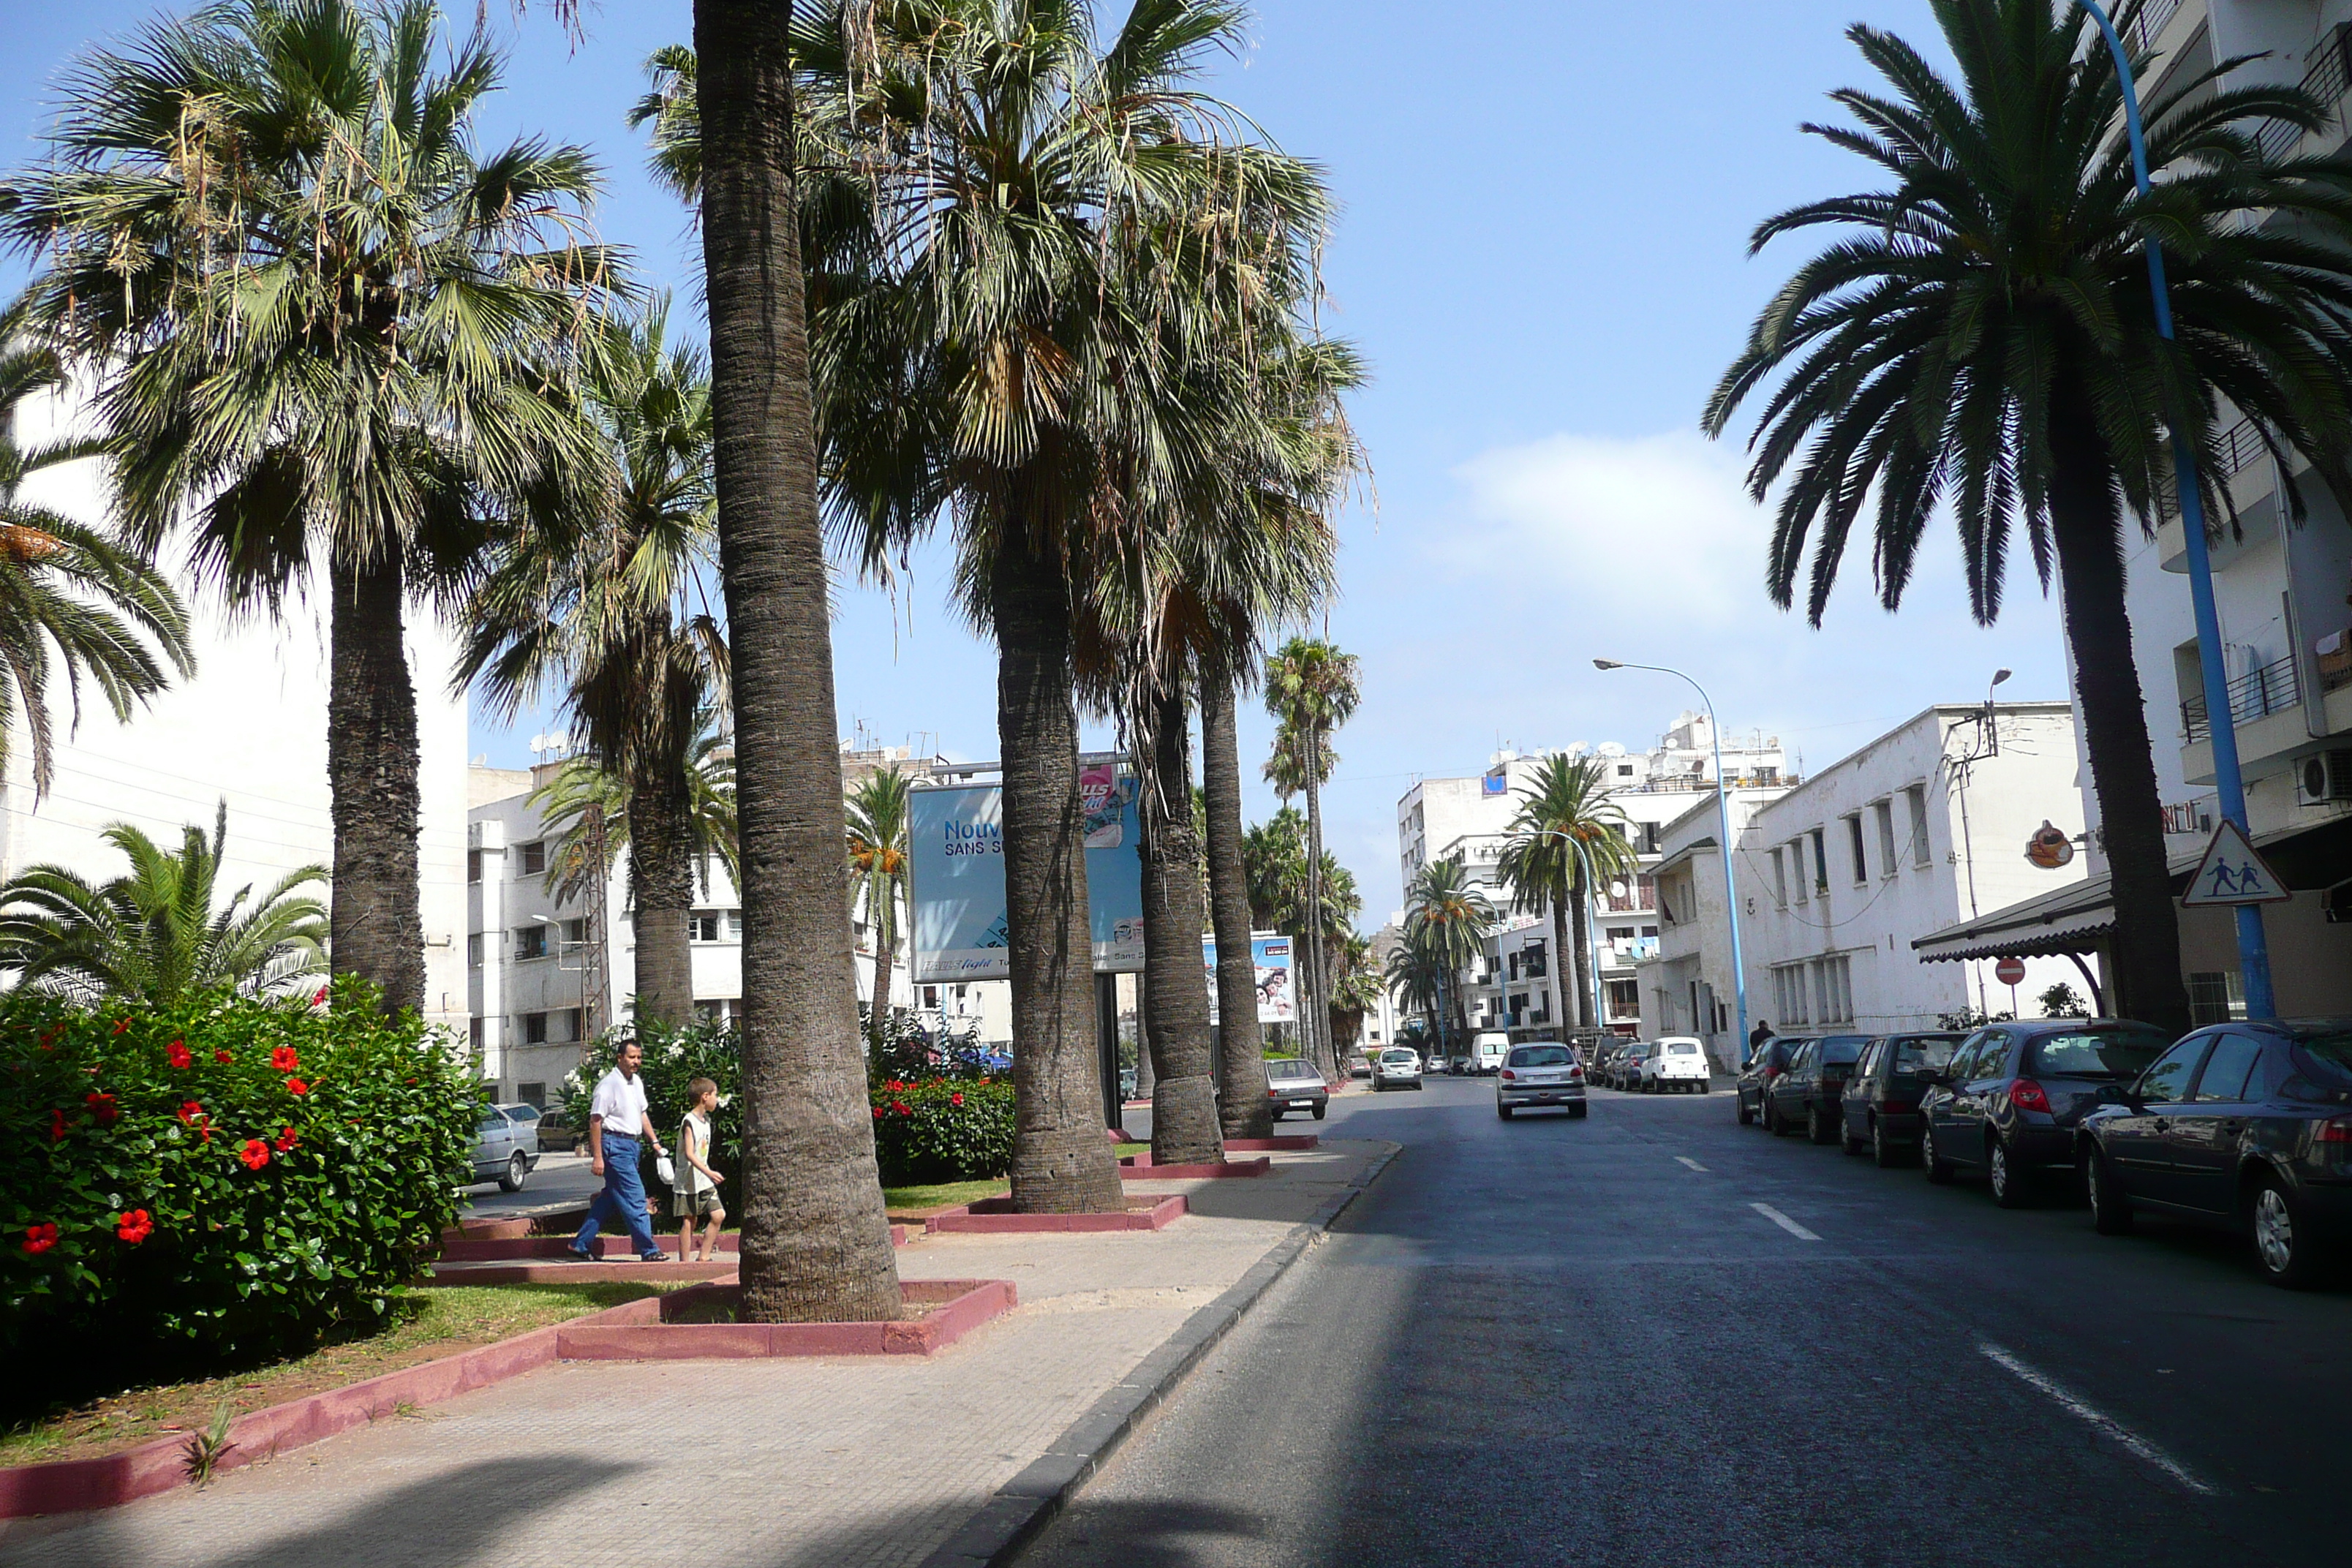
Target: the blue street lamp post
(1723, 831)
(2253, 946)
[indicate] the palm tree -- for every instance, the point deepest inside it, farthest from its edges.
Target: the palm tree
(1445, 921)
(1983, 337)
(1412, 976)
(1566, 806)
(72, 601)
(1274, 856)
(154, 933)
(1355, 989)
(1312, 689)
(320, 324)
(878, 875)
(601, 597)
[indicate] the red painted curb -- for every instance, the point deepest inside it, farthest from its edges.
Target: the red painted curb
(548, 1272)
(1139, 1168)
(985, 1218)
(614, 1249)
(962, 1305)
(1288, 1140)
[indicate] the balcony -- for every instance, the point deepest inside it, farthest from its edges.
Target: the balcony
(2274, 725)
(2273, 688)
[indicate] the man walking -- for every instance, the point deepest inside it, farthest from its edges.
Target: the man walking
(1759, 1035)
(617, 1120)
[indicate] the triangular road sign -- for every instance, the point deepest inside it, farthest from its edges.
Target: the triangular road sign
(2233, 873)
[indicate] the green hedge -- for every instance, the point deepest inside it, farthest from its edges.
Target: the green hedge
(222, 1176)
(942, 1129)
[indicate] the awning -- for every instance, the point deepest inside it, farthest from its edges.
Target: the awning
(2073, 919)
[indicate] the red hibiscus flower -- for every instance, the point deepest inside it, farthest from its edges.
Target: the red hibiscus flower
(285, 1140)
(296, 1086)
(102, 1107)
(956, 1099)
(135, 1227)
(57, 1126)
(898, 1108)
(255, 1153)
(877, 1113)
(284, 1059)
(121, 1024)
(222, 1058)
(176, 1053)
(40, 1237)
(321, 999)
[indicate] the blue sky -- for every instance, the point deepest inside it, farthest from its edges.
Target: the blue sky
(1542, 253)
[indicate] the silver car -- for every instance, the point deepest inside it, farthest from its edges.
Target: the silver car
(506, 1145)
(1295, 1084)
(1539, 1075)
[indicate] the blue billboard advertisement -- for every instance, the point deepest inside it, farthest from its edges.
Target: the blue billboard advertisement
(956, 879)
(1270, 954)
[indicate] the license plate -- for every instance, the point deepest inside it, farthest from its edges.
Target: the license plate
(1301, 1104)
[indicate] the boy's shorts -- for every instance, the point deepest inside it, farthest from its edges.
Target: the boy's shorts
(694, 1205)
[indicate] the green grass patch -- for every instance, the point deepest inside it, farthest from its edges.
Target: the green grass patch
(1124, 1150)
(422, 1326)
(906, 1202)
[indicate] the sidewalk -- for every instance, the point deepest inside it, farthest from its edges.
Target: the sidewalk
(787, 1464)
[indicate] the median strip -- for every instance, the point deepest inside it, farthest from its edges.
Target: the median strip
(1784, 1221)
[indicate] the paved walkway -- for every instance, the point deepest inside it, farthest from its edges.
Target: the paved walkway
(786, 1464)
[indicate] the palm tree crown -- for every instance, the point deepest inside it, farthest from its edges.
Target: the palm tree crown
(1564, 809)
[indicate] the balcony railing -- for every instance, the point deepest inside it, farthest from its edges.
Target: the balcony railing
(2270, 688)
(2149, 24)
(2325, 78)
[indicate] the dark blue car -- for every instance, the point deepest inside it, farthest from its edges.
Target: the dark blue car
(2242, 1126)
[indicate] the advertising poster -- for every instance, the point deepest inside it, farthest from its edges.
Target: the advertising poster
(1277, 1003)
(955, 841)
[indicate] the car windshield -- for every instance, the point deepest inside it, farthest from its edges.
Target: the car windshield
(489, 1124)
(1396, 1057)
(2096, 1053)
(2330, 1050)
(1926, 1053)
(1288, 1067)
(1843, 1050)
(1682, 1048)
(1541, 1057)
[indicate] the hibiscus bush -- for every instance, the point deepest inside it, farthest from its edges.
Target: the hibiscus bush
(223, 1177)
(942, 1129)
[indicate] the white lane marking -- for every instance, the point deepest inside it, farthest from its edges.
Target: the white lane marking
(1784, 1221)
(1686, 1160)
(2092, 1415)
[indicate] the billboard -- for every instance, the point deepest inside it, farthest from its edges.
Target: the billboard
(955, 864)
(1276, 1001)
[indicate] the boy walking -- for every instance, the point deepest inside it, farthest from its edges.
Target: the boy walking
(617, 1120)
(696, 1190)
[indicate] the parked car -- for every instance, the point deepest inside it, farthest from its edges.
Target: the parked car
(1806, 1093)
(2244, 1126)
(1398, 1068)
(1675, 1065)
(1880, 1108)
(506, 1145)
(1459, 1066)
(1359, 1066)
(1765, 1063)
(556, 1133)
(2011, 1100)
(1539, 1075)
(1487, 1049)
(1626, 1076)
(1292, 1083)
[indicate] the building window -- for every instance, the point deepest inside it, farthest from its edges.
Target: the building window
(1887, 858)
(1624, 998)
(1511, 963)
(1821, 862)
(1832, 989)
(534, 1028)
(1779, 880)
(1650, 931)
(1788, 995)
(534, 857)
(575, 932)
(2215, 997)
(530, 942)
(1625, 770)
(1796, 866)
(704, 925)
(474, 1035)
(1768, 777)
(1854, 841)
(474, 950)
(574, 1024)
(473, 865)
(735, 925)
(532, 1094)
(1917, 795)
(1532, 961)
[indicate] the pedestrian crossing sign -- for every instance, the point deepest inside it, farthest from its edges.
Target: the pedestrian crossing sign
(2233, 873)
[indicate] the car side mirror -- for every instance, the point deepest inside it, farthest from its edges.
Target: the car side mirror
(2117, 1094)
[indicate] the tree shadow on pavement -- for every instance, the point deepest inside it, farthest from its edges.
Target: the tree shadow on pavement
(455, 1519)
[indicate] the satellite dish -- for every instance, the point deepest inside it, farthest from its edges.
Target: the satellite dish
(1617, 889)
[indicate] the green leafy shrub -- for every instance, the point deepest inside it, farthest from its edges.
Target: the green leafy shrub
(220, 1177)
(675, 1057)
(942, 1129)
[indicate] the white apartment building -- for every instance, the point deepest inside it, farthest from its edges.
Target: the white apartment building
(249, 728)
(2283, 589)
(1684, 983)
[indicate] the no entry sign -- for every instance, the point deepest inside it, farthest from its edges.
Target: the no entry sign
(2009, 971)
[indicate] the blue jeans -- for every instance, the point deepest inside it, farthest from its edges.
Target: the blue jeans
(623, 1201)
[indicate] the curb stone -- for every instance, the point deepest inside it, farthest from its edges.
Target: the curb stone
(1022, 1506)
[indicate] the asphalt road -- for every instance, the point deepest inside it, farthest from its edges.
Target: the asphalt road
(1652, 1336)
(560, 1181)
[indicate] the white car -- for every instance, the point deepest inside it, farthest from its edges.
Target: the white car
(1487, 1051)
(1398, 1067)
(1676, 1064)
(1539, 1074)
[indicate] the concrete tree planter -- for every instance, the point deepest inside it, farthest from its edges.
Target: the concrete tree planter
(994, 1216)
(1139, 1168)
(664, 1329)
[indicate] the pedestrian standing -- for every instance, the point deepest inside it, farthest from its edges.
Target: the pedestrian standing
(696, 1191)
(616, 1121)
(1759, 1035)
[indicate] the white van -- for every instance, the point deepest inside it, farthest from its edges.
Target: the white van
(1487, 1051)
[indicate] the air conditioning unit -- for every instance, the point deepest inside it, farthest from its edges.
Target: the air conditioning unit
(2322, 778)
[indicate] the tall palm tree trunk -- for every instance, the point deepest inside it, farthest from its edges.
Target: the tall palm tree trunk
(816, 1240)
(1579, 891)
(1242, 1110)
(377, 926)
(1559, 940)
(1184, 1126)
(885, 953)
(1061, 1161)
(661, 884)
(1312, 1024)
(2146, 983)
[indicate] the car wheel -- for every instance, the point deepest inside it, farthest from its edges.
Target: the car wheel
(516, 1173)
(1817, 1126)
(1277, 1115)
(1739, 1106)
(1764, 1114)
(1502, 1111)
(1847, 1143)
(1882, 1154)
(2008, 1180)
(1320, 1109)
(1700, 1087)
(1576, 1111)
(1939, 1171)
(2111, 1212)
(2285, 1249)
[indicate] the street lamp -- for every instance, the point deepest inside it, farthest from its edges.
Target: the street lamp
(2254, 946)
(1723, 827)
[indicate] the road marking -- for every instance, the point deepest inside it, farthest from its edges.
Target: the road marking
(1686, 1160)
(2092, 1415)
(1784, 1221)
